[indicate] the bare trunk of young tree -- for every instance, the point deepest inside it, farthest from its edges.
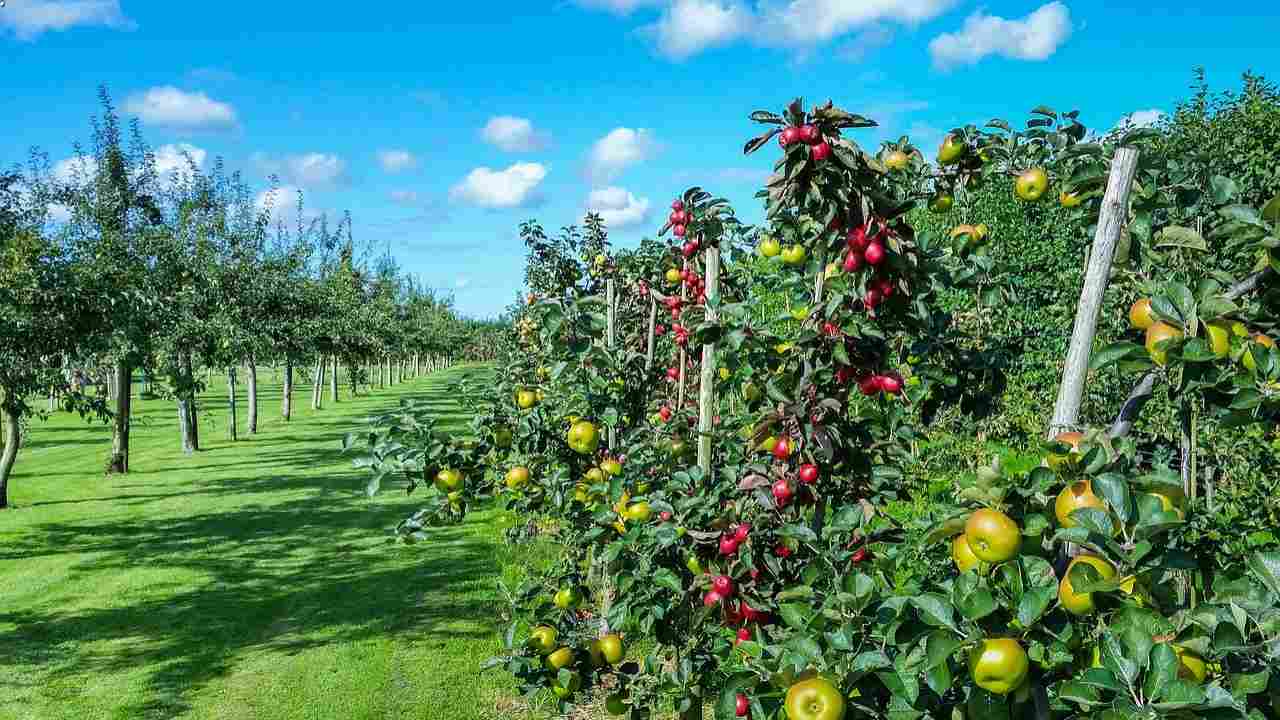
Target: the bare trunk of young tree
(192, 438)
(231, 403)
(251, 367)
(317, 388)
(12, 437)
(333, 381)
(120, 432)
(286, 402)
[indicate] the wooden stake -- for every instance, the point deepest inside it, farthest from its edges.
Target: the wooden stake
(1114, 216)
(707, 390)
(610, 338)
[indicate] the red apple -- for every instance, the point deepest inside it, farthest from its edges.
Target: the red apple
(722, 584)
(782, 551)
(809, 134)
(743, 635)
(665, 414)
(891, 384)
(859, 555)
(872, 298)
(712, 599)
(728, 545)
(677, 205)
(782, 492)
(820, 152)
(742, 532)
(678, 230)
(869, 385)
(852, 262)
(665, 516)
(857, 239)
(788, 136)
(782, 448)
(874, 253)
(808, 473)
(741, 705)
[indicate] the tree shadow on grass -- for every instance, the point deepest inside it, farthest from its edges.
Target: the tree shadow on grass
(285, 578)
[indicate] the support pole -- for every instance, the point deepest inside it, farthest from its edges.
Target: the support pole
(707, 389)
(610, 338)
(1114, 215)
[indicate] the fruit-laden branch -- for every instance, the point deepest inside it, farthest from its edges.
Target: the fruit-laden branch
(1141, 392)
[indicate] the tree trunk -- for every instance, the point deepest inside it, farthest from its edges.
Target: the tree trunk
(353, 376)
(286, 403)
(12, 437)
(231, 403)
(333, 381)
(252, 369)
(193, 407)
(120, 432)
(317, 394)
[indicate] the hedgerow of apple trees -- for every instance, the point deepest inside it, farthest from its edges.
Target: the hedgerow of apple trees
(771, 582)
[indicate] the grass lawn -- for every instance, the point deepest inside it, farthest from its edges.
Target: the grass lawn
(251, 580)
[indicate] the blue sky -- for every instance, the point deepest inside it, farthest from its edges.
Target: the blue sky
(443, 125)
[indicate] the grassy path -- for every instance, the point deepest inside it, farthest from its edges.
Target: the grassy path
(252, 580)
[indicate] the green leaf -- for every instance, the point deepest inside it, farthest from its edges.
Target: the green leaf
(1224, 189)
(1162, 670)
(1266, 567)
(797, 615)
(1035, 602)
(1114, 353)
(935, 610)
(1183, 237)
(666, 579)
(1113, 488)
(941, 645)
(1271, 211)
(727, 703)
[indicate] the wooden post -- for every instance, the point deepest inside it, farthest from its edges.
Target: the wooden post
(683, 356)
(610, 338)
(653, 323)
(707, 389)
(1115, 213)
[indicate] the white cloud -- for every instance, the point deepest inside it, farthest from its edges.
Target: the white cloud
(513, 134)
(59, 213)
(282, 203)
(1034, 37)
(691, 26)
(404, 197)
(508, 188)
(170, 160)
(28, 19)
(687, 27)
(167, 106)
(621, 7)
(800, 23)
(309, 170)
(617, 151)
(1141, 118)
(617, 207)
(76, 170)
(394, 161)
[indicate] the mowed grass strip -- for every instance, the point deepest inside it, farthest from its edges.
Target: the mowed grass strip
(251, 580)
